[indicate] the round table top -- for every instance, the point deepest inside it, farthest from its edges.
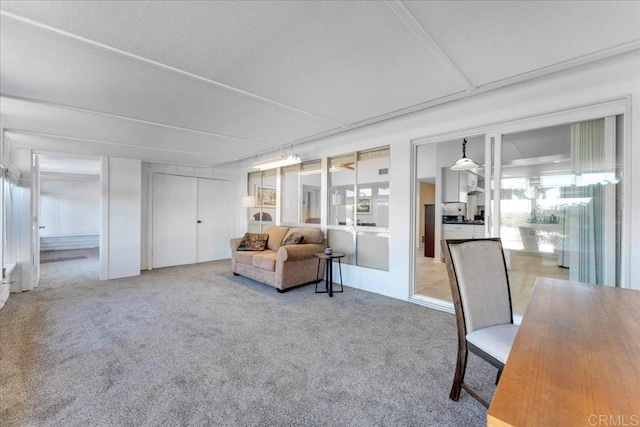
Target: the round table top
(334, 254)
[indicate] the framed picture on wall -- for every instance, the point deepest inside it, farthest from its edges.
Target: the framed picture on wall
(266, 195)
(364, 205)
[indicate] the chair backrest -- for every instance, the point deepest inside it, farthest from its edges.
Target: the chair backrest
(479, 283)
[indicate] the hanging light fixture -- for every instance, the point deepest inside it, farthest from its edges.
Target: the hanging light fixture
(464, 164)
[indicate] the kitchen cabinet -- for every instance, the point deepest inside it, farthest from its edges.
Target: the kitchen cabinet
(457, 185)
(454, 186)
(463, 231)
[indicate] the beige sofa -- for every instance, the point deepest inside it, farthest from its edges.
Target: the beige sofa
(282, 267)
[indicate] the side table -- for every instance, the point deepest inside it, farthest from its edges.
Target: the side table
(329, 280)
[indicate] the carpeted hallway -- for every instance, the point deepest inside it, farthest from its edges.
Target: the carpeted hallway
(195, 345)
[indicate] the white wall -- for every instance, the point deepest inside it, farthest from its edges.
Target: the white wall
(17, 199)
(70, 206)
(124, 188)
(593, 83)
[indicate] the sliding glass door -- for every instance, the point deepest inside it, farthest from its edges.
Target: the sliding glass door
(560, 205)
(554, 195)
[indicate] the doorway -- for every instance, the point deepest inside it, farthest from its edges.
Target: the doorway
(67, 199)
(449, 204)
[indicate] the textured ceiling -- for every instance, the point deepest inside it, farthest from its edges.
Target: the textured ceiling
(207, 83)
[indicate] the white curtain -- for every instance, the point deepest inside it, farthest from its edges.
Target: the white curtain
(591, 223)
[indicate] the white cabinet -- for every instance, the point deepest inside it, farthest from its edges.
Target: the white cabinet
(472, 181)
(463, 231)
(454, 185)
(478, 231)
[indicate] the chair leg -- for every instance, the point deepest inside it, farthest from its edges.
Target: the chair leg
(461, 366)
(498, 376)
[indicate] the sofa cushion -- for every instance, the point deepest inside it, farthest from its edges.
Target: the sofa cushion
(310, 235)
(244, 257)
(276, 236)
(253, 242)
(293, 239)
(265, 261)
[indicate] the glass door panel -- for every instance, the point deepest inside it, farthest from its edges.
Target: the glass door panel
(559, 205)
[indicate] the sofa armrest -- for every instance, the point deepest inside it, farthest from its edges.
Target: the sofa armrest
(235, 243)
(298, 252)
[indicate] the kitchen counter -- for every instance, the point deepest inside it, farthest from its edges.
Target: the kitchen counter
(467, 222)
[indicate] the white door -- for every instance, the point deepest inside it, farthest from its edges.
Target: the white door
(214, 219)
(35, 221)
(174, 220)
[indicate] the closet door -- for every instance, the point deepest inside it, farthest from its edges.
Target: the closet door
(174, 220)
(214, 219)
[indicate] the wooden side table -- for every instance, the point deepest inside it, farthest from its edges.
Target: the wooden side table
(329, 261)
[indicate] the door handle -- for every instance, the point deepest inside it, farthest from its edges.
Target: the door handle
(199, 222)
(41, 227)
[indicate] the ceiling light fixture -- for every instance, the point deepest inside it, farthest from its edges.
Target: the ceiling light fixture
(464, 164)
(283, 160)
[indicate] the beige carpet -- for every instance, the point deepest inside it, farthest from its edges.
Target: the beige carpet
(195, 345)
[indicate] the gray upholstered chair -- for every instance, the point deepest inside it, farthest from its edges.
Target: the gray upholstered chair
(482, 301)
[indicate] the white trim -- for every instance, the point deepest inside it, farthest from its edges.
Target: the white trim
(488, 162)
(562, 66)
(150, 175)
(187, 175)
(118, 144)
(495, 178)
(104, 220)
(627, 170)
(413, 218)
(427, 41)
(435, 303)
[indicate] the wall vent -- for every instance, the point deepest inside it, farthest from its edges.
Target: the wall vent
(383, 171)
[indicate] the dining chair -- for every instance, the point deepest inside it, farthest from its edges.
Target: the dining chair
(482, 301)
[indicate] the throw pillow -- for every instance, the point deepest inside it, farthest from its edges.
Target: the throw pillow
(253, 242)
(293, 239)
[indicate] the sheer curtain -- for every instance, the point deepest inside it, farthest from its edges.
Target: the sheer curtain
(592, 218)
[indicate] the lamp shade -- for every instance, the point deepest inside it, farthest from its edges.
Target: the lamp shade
(248, 201)
(464, 164)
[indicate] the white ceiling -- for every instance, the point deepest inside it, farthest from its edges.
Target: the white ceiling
(60, 164)
(207, 83)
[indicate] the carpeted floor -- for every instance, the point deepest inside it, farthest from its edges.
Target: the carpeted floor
(195, 345)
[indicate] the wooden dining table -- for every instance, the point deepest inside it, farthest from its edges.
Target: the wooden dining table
(575, 360)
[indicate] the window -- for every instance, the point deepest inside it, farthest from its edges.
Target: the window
(359, 207)
(262, 186)
(358, 203)
(289, 195)
(298, 196)
(310, 186)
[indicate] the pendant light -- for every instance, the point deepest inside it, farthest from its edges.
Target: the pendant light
(464, 164)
